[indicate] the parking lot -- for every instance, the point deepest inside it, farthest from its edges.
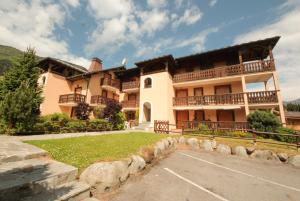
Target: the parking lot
(189, 175)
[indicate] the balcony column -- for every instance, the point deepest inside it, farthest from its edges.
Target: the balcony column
(245, 96)
(271, 53)
(241, 61)
(280, 104)
(266, 85)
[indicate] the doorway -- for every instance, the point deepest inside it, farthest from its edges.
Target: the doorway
(147, 112)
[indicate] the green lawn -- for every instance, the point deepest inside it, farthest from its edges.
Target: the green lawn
(83, 151)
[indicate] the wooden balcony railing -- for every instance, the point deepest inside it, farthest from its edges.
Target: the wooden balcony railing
(97, 99)
(111, 82)
(239, 69)
(71, 98)
(209, 100)
(214, 125)
(130, 85)
(227, 99)
(130, 104)
(262, 97)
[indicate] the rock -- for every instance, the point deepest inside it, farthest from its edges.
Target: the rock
(147, 153)
(214, 144)
(207, 145)
(137, 164)
(283, 157)
(170, 140)
(166, 143)
(193, 142)
(157, 151)
(161, 146)
(175, 140)
(224, 149)
(182, 140)
(250, 150)
(294, 160)
(240, 151)
(105, 175)
(264, 154)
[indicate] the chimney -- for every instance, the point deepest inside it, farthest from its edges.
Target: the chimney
(96, 64)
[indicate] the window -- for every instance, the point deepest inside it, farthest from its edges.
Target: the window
(148, 83)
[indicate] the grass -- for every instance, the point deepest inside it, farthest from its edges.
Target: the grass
(83, 151)
(249, 143)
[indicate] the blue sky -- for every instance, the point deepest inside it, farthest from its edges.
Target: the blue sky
(77, 30)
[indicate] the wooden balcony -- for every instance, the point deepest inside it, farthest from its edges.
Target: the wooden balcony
(100, 100)
(71, 99)
(132, 104)
(209, 100)
(132, 86)
(261, 97)
(110, 84)
(239, 69)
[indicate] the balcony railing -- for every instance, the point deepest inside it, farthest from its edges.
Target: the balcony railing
(130, 85)
(71, 98)
(227, 99)
(239, 69)
(130, 104)
(110, 82)
(209, 100)
(97, 99)
(262, 97)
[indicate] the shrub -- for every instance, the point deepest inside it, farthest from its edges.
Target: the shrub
(82, 111)
(287, 139)
(118, 121)
(203, 129)
(263, 121)
(112, 108)
(98, 112)
(99, 125)
(49, 127)
(62, 118)
(75, 126)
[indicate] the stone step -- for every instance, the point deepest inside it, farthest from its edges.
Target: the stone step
(72, 191)
(14, 150)
(30, 177)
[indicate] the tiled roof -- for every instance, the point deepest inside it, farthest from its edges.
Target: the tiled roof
(66, 63)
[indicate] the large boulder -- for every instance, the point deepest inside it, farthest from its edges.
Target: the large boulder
(207, 145)
(240, 151)
(105, 175)
(147, 153)
(283, 157)
(175, 140)
(160, 145)
(137, 164)
(170, 140)
(250, 150)
(182, 140)
(264, 154)
(166, 143)
(193, 142)
(157, 152)
(224, 149)
(294, 160)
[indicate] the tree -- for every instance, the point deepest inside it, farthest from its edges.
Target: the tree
(112, 111)
(20, 95)
(82, 111)
(263, 121)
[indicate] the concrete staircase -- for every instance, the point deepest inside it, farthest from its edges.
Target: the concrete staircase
(144, 126)
(33, 177)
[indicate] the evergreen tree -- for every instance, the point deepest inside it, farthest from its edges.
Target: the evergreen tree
(20, 95)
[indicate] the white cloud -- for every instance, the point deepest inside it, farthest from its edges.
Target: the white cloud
(178, 3)
(190, 16)
(73, 3)
(153, 20)
(24, 24)
(105, 9)
(157, 3)
(212, 3)
(287, 51)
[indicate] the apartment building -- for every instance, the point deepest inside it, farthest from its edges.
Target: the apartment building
(209, 86)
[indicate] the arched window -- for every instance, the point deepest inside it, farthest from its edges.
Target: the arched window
(148, 83)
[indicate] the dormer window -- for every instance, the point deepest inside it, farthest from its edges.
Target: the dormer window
(148, 83)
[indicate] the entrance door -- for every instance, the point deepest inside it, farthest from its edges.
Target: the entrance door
(198, 91)
(222, 89)
(181, 95)
(181, 118)
(199, 115)
(104, 93)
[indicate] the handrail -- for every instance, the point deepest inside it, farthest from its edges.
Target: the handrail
(68, 98)
(238, 69)
(130, 103)
(130, 85)
(98, 99)
(111, 82)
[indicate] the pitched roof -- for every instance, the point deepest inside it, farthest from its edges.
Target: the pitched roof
(65, 63)
(168, 57)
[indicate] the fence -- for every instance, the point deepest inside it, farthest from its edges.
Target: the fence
(226, 130)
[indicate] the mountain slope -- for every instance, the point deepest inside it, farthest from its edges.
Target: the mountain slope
(8, 55)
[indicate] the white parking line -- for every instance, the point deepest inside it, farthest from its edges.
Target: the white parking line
(243, 173)
(196, 185)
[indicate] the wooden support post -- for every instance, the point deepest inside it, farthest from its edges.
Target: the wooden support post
(241, 61)
(245, 96)
(271, 53)
(280, 104)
